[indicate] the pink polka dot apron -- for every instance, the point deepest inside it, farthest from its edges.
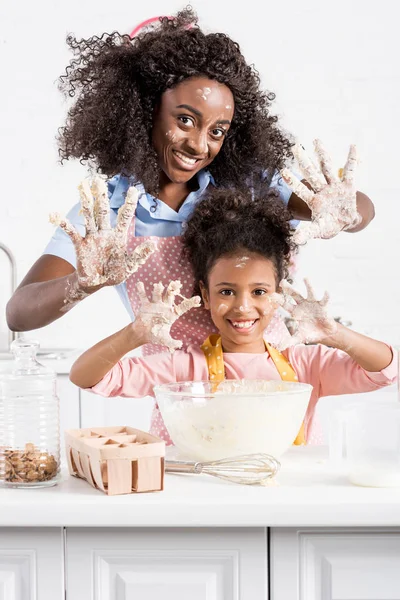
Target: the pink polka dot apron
(165, 265)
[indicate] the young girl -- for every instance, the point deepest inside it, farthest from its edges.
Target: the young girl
(239, 250)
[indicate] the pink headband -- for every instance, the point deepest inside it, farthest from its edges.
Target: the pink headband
(144, 24)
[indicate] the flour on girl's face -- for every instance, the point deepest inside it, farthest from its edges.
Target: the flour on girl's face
(245, 308)
(242, 262)
(221, 308)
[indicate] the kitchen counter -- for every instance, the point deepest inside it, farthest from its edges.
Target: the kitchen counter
(309, 535)
(306, 493)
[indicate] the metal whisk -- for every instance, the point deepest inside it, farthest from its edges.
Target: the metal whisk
(248, 469)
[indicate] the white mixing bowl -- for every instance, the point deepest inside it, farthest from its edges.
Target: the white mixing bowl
(208, 421)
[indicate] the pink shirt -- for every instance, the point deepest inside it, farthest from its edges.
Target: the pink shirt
(331, 372)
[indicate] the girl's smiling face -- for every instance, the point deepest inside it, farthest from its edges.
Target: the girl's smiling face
(238, 295)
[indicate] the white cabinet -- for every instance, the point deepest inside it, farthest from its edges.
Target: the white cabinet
(31, 564)
(167, 564)
(334, 564)
(97, 411)
(199, 564)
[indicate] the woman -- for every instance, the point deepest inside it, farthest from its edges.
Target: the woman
(171, 112)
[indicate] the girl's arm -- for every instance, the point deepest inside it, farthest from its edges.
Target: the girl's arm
(370, 354)
(96, 362)
(314, 325)
(152, 325)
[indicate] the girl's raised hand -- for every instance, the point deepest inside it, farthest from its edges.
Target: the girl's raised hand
(313, 322)
(333, 203)
(156, 316)
(102, 255)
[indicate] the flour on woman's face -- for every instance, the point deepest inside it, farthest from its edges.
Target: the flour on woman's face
(203, 92)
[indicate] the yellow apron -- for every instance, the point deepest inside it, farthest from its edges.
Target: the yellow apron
(212, 349)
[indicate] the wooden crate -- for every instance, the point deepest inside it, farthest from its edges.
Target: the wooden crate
(116, 460)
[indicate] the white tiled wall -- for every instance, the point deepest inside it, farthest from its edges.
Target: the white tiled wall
(334, 67)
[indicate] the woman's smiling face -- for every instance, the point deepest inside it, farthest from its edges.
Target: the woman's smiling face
(190, 125)
(238, 295)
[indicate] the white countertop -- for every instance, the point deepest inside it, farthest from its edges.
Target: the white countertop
(307, 493)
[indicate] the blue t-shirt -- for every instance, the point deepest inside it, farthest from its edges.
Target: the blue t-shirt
(152, 218)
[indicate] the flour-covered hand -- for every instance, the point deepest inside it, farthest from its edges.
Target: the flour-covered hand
(102, 255)
(332, 200)
(156, 316)
(311, 316)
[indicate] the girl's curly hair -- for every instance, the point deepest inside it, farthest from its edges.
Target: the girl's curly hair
(118, 81)
(228, 222)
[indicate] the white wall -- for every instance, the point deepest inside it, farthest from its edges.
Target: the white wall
(334, 67)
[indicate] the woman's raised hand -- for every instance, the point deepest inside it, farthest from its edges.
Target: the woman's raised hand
(102, 255)
(313, 322)
(156, 316)
(332, 200)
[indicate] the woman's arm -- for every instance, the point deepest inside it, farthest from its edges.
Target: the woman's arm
(326, 197)
(365, 209)
(43, 295)
(53, 286)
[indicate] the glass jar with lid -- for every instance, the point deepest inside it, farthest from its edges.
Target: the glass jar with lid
(29, 421)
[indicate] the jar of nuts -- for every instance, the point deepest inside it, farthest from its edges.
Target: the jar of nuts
(29, 421)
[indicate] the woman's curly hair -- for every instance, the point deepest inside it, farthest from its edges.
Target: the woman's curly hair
(229, 222)
(117, 82)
